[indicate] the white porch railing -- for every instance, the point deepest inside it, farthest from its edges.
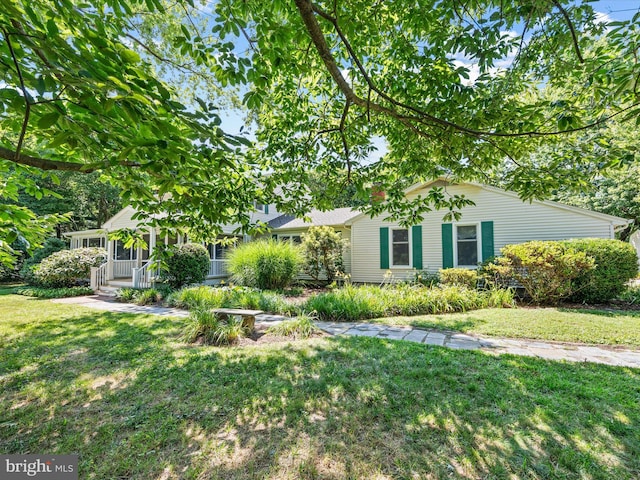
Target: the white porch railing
(98, 277)
(141, 277)
(123, 268)
(217, 268)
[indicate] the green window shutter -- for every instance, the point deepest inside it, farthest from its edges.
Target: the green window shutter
(487, 240)
(384, 248)
(447, 245)
(416, 239)
(266, 209)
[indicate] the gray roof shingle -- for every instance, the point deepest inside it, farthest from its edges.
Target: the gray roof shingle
(332, 218)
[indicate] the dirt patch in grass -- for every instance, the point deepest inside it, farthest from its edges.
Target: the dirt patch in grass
(306, 294)
(260, 337)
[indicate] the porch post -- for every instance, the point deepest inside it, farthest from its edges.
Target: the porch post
(152, 247)
(109, 258)
(152, 240)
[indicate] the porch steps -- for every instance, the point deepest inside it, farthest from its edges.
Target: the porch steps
(109, 290)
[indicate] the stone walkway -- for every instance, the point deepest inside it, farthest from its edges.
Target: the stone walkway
(440, 338)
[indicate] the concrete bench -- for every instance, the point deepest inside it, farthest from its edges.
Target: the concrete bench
(248, 316)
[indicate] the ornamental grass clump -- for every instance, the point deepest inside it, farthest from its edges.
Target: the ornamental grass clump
(265, 264)
(302, 326)
(353, 303)
(204, 325)
(230, 297)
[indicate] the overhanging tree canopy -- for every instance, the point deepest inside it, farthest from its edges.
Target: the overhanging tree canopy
(99, 87)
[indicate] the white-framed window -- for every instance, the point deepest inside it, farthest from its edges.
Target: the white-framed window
(122, 253)
(295, 239)
(400, 242)
(467, 245)
(93, 242)
(259, 207)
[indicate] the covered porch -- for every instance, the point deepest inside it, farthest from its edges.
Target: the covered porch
(133, 266)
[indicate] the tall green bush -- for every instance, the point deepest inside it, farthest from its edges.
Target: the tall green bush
(615, 264)
(459, 276)
(322, 250)
(68, 268)
(265, 264)
(545, 269)
(186, 265)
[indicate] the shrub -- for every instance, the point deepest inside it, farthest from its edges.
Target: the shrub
(68, 268)
(631, 296)
(265, 264)
(426, 278)
(147, 296)
(545, 269)
(126, 294)
(299, 327)
(615, 264)
(54, 292)
(213, 330)
(463, 277)
(51, 245)
(187, 264)
(322, 251)
(353, 303)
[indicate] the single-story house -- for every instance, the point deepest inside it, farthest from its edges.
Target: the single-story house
(497, 218)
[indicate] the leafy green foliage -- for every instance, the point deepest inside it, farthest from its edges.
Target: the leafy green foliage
(545, 269)
(205, 325)
(300, 327)
(322, 251)
(126, 295)
(462, 277)
(353, 303)
(630, 295)
(68, 268)
(51, 245)
(265, 264)
(77, 96)
(18, 224)
(147, 296)
(89, 198)
(38, 292)
(615, 191)
(427, 278)
(616, 263)
(185, 265)
(108, 86)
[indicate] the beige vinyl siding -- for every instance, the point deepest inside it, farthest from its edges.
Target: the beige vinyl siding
(514, 221)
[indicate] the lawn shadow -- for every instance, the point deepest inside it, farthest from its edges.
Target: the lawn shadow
(133, 403)
(604, 312)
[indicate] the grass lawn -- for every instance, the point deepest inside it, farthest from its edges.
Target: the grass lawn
(605, 327)
(120, 391)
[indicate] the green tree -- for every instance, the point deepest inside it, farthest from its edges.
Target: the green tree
(100, 86)
(90, 200)
(322, 250)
